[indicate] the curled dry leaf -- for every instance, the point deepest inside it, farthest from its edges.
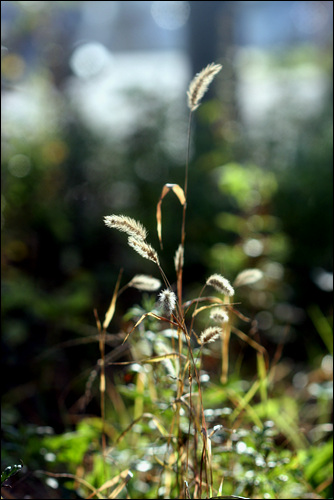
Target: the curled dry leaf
(165, 190)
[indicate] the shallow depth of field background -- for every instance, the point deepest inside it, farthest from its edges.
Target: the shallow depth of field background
(94, 122)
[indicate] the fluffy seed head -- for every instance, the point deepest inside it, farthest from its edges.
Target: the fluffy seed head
(220, 284)
(210, 334)
(144, 249)
(167, 299)
(219, 315)
(200, 84)
(127, 225)
(248, 277)
(179, 258)
(145, 283)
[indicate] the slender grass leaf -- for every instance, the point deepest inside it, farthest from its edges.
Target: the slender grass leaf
(111, 310)
(10, 471)
(323, 326)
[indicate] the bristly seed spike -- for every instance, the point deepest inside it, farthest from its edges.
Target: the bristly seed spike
(144, 249)
(127, 225)
(200, 84)
(221, 284)
(210, 334)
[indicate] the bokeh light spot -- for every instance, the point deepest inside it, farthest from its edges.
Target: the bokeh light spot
(265, 320)
(19, 165)
(53, 483)
(12, 67)
(323, 279)
(170, 15)
(253, 247)
(89, 59)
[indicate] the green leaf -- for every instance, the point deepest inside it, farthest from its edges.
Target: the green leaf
(321, 465)
(9, 471)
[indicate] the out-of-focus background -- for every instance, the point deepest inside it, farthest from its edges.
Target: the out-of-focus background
(94, 122)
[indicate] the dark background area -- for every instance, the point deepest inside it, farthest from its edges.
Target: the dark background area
(94, 122)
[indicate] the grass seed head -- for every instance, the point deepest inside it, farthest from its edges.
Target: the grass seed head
(127, 225)
(248, 277)
(219, 315)
(167, 299)
(144, 249)
(200, 84)
(210, 334)
(179, 258)
(145, 283)
(220, 284)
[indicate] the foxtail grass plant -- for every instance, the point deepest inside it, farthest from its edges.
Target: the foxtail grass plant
(156, 435)
(187, 467)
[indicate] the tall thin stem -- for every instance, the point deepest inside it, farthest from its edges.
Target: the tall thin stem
(186, 174)
(183, 230)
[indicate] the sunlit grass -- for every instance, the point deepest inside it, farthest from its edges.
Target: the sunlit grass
(171, 428)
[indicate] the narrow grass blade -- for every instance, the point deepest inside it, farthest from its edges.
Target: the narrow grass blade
(112, 482)
(262, 373)
(157, 422)
(160, 318)
(243, 404)
(225, 345)
(78, 479)
(227, 497)
(111, 310)
(9, 471)
(154, 359)
(203, 308)
(252, 343)
(186, 490)
(323, 327)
